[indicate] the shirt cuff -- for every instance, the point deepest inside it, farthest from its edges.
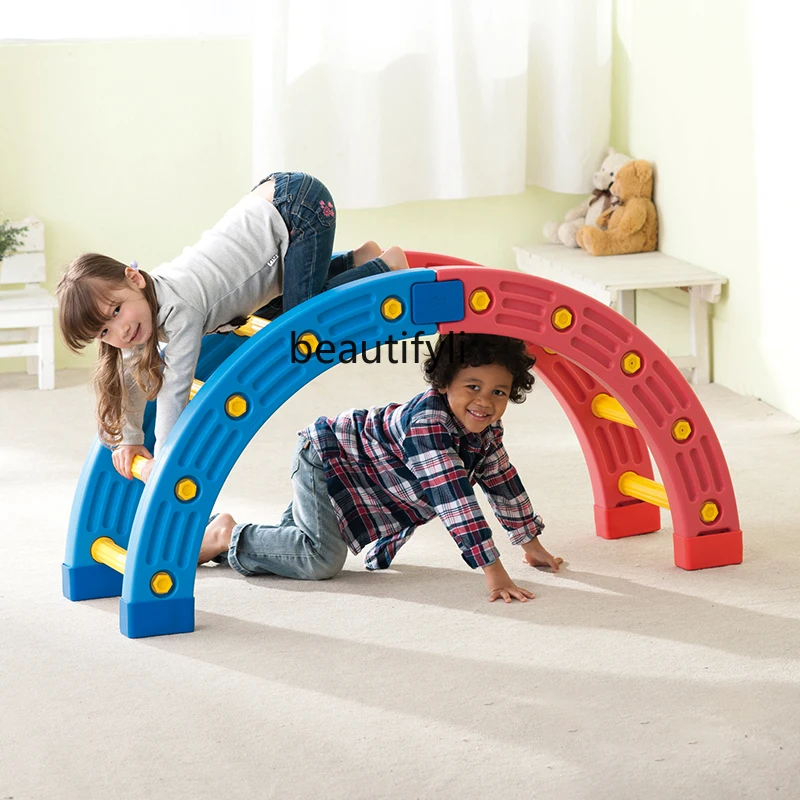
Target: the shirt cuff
(528, 533)
(481, 554)
(132, 440)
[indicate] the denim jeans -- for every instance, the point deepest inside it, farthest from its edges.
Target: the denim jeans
(306, 544)
(307, 208)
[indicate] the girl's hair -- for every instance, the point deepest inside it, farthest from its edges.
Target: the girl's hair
(454, 351)
(86, 284)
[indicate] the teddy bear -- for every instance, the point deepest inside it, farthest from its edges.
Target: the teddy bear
(591, 208)
(631, 226)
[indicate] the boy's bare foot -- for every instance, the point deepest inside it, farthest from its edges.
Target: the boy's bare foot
(217, 537)
(366, 252)
(395, 258)
(540, 562)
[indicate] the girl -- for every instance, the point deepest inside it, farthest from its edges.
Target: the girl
(369, 478)
(277, 240)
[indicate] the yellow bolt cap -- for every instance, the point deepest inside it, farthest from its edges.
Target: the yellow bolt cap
(682, 430)
(562, 318)
(186, 489)
(709, 511)
(161, 583)
(631, 363)
(310, 341)
(235, 405)
(391, 308)
(479, 300)
(549, 351)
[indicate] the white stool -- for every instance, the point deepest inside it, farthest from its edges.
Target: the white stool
(26, 315)
(614, 280)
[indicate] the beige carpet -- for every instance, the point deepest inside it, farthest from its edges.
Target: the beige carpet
(625, 678)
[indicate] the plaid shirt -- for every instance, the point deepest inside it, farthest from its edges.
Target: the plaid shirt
(391, 469)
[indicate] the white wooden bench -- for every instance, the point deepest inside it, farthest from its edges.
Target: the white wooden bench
(614, 280)
(26, 314)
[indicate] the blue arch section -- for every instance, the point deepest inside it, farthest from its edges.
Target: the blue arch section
(105, 503)
(165, 531)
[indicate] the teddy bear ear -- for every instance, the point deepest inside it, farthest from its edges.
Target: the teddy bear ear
(644, 170)
(612, 151)
(626, 169)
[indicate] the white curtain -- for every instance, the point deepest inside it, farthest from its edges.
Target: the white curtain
(432, 99)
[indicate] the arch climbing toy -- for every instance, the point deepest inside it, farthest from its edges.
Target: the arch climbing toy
(622, 394)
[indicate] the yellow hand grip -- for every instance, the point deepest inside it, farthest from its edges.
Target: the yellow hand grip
(633, 485)
(137, 465)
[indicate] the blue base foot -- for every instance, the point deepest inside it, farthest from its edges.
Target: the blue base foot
(90, 582)
(156, 617)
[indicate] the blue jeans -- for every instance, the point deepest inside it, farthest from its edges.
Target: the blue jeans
(306, 543)
(307, 208)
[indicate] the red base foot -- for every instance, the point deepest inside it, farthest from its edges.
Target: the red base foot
(711, 550)
(631, 520)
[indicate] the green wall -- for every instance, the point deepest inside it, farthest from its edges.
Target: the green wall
(127, 148)
(133, 148)
(688, 78)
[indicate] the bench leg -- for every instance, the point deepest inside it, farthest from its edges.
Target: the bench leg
(626, 304)
(31, 336)
(47, 366)
(698, 331)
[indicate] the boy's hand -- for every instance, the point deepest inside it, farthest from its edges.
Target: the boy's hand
(122, 458)
(537, 556)
(500, 585)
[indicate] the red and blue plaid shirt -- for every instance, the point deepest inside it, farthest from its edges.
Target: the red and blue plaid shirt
(393, 468)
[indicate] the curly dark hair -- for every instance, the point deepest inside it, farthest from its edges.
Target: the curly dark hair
(454, 351)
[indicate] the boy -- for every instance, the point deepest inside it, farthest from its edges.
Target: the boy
(371, 477)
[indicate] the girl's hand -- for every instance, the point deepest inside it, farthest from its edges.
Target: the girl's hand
(144, 472)
(501, 586)
(122, 458)
(537, 556)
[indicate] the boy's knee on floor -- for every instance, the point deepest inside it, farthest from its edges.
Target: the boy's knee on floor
(330, 563)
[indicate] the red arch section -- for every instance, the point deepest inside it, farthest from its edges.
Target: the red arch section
(587, 359)
(610, 449)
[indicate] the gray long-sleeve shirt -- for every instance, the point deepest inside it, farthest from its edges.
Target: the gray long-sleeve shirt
(234, 269)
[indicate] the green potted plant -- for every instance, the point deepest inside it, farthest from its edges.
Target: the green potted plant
(10, 238)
